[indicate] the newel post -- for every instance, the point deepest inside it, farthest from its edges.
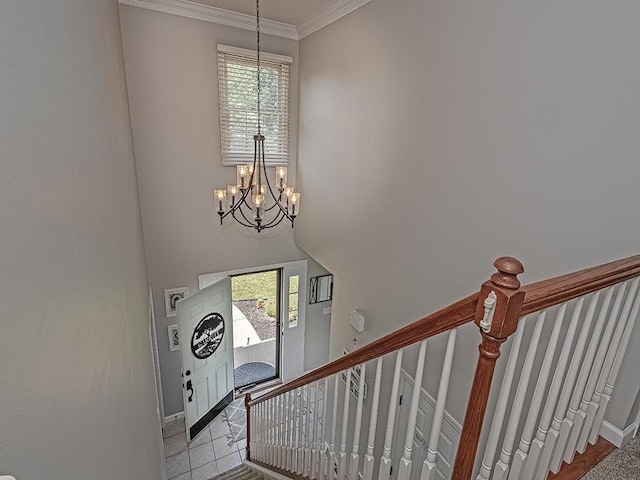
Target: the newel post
(247, 400)
(497, 315)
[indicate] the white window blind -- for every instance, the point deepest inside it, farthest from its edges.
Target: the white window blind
(237, 75)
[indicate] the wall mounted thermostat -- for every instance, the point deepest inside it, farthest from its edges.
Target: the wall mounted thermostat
(356, 319)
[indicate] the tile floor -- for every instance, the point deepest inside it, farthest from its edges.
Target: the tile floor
(206, 456)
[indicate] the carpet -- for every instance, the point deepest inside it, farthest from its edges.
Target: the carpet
(621, 464)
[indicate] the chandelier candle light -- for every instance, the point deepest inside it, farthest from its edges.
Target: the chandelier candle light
(247, 200)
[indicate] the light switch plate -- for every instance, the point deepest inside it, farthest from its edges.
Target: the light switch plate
(356, 319)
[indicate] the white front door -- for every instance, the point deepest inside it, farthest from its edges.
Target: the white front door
(205, 323)
(294, 302)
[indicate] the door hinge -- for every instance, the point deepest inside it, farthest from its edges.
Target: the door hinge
(400, 402)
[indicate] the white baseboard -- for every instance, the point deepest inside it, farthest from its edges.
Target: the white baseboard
(616, 436)
(174, 417)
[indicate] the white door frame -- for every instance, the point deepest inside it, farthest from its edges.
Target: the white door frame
(206, 279)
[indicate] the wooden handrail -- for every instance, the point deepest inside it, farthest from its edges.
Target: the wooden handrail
(538, 296)
(443, 320)
(561, 289)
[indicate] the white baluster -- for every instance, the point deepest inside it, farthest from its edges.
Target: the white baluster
(501, 407)
(342, 457)
(354, 462)
(270, 405)
(281, 431)
(404, 471)
(325, 432)
(576, 421)
(587, 397)
(333, 458)
(560, 423)
(278, 418)
(307, 434)
(521, 455)
(367, 469)
(284, 439)
(295, 435)
(429, 465)
(502, 467)
(598, 410)
(544, 443)
(252, 422)
(259, 436)
(255, 425)
(315, 451)
(267, 436)
(615, 370)
(385, 461)
(301, 430)
(263, 427)
(292, 430)
(265, 443)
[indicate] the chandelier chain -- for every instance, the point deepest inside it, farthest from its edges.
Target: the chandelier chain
(258, 62)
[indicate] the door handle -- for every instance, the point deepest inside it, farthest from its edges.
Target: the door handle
(189, 389)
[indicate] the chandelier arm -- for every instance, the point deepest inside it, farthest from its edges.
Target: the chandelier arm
(274, 221)
(280, 207)
(236, 205)
(272, 224)
(240, 209)
(248, 224)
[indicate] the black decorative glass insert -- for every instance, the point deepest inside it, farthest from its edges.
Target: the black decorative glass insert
(207, 336)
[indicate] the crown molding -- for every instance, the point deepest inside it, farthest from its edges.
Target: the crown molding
(206, 13)
(329, 14)
(186, 8)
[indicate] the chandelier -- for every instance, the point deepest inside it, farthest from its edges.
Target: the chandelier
(252, 201)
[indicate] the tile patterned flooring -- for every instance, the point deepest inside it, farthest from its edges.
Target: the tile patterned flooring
(206, 456)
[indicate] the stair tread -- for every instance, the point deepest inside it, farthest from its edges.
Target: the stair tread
(239, 473)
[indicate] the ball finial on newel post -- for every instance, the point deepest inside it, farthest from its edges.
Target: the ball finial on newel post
(508, 270)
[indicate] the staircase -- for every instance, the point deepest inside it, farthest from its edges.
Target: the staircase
(568, 337)
(240, 473)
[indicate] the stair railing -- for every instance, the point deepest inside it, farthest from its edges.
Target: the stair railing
(288, 427)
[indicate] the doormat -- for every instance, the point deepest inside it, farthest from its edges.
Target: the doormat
(236, 417)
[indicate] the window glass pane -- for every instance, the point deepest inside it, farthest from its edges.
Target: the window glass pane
(293, 301)
(293, 283)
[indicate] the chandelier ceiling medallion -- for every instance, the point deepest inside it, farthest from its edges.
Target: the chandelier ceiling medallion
(252, 201)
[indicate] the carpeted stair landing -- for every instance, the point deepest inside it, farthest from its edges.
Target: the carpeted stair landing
(240, 473)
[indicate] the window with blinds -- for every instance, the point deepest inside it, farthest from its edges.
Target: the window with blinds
(237, 75)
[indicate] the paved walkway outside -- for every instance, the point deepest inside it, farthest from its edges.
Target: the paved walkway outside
(243, 332)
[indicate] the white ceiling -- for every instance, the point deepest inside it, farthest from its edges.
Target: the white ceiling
(292, 12)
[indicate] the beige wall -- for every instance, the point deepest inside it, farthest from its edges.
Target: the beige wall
(77, 396)
(438, 135)
(173, 89)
